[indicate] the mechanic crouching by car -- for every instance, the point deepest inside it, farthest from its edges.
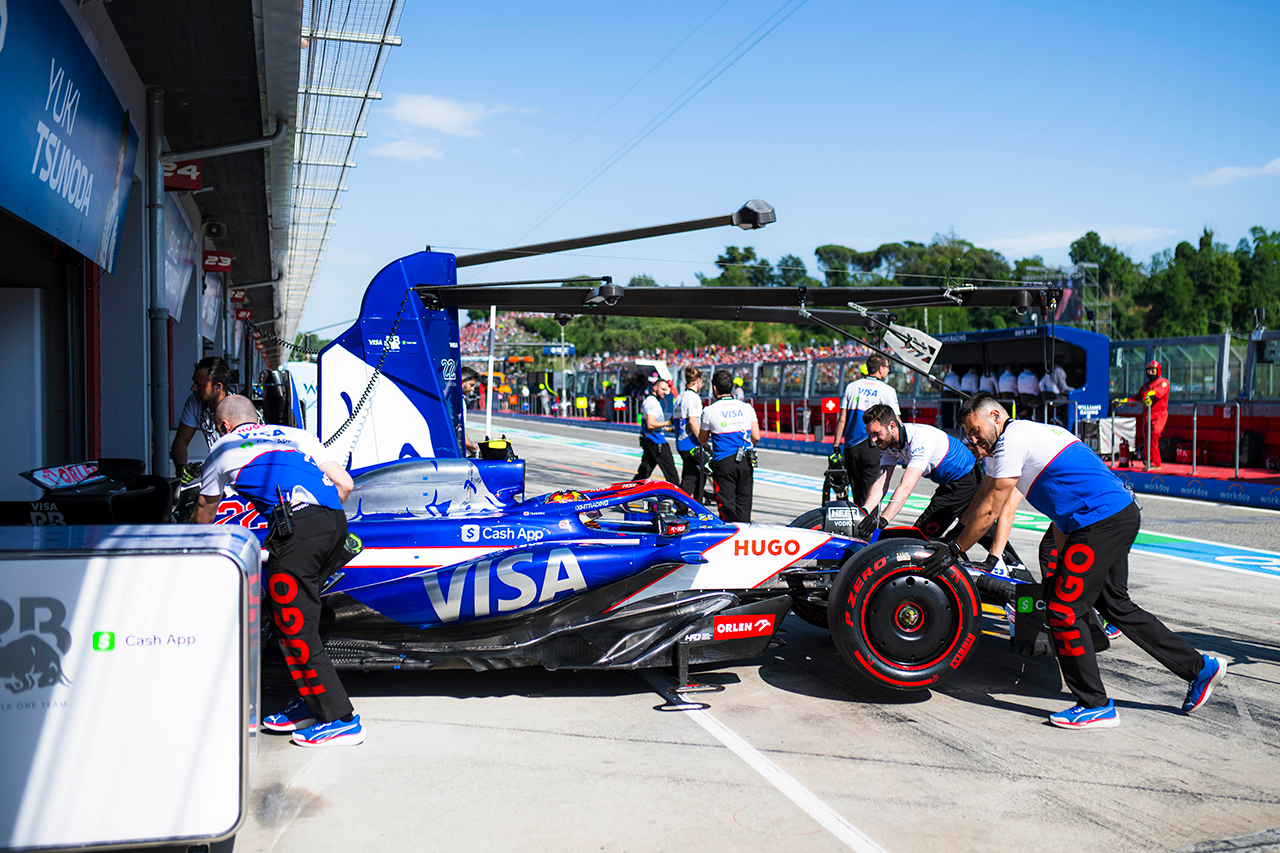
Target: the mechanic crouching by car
(291, 479)
(732, 431)
(1098, 521)
(926, 451)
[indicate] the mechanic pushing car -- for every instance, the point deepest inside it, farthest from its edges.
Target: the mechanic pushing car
(655, 450)
(210, 384)
(732, 430)
(1154, 396)
(687, 421)
(1098, 520)
(290, 478)
(861, 459)
(925, 451)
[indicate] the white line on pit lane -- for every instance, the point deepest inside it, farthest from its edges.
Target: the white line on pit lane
(830, 820)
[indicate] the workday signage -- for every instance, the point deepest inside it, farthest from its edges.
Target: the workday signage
(1202, 488)
(67, 147)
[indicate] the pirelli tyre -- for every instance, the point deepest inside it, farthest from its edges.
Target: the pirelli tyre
(811, 520)
(894, 626)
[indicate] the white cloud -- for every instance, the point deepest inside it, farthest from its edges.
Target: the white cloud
(517, 152)
(443, 115)
(1231, 174)
(409, 149)
(1022, 244)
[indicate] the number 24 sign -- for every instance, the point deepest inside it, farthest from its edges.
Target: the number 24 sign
(184, 175)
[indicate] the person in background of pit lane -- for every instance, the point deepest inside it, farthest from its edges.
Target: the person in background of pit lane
(688, 424)
(989, 383)
(1098, 521)
(969, 382)
(1008, 383)
(210, 385)
(738, 393)
(260, 463)
(1154, 396)
(731, 428)
(467, 379)
(861, 458)
(655, 450)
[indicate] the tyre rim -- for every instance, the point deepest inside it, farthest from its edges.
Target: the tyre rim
(910, 621)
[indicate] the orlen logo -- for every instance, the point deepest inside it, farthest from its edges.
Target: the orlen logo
(738, 627)
(760, 547)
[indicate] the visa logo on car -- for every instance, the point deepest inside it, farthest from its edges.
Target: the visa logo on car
(492, 587)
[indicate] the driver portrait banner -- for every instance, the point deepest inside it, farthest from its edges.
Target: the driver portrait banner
(67, 143)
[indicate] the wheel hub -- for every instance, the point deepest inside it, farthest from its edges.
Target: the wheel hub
(911, 620)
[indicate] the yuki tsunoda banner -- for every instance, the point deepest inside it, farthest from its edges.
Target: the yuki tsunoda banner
(67, 146)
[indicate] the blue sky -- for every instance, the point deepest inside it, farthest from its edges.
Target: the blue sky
(1017, 126)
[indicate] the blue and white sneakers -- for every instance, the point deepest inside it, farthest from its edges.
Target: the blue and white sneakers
(1199, 691)
(332, 733)
(296, 716)
(1080, 717)
(1112, 632)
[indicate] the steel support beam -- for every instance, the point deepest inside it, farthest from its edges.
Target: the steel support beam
(157, 313)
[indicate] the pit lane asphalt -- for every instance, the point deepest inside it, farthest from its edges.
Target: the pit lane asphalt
(534, 760)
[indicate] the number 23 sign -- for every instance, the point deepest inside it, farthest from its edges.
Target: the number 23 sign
(216, 262)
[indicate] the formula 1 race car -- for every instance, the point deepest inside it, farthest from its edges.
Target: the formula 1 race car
(465, 574)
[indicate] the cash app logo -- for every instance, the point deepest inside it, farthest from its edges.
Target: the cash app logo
(104, 641)
(1025, 604)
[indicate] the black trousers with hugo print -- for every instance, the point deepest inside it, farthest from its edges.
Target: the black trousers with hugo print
(295, 570)
(1094, 572)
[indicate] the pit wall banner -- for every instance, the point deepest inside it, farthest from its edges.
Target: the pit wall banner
(67, 145)
(179, 256)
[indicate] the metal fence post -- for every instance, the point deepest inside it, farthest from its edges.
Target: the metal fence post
(1195, 418)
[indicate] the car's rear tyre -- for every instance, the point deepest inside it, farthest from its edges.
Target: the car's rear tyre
(811, 520)
(897, 628)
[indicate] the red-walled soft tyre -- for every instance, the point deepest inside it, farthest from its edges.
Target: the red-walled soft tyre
(897, 628)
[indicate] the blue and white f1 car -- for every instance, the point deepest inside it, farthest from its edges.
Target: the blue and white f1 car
(459, 569)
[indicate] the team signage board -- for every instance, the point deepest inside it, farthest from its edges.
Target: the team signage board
(184, 175)
(216, 262)
(244, 313)
(67, 145)
(100, 639)
(558, 349)
(239, 296)
(912, 346)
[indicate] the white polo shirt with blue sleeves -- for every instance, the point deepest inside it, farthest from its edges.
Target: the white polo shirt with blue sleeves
(688, 411)
(931, 451)
(652, 407)
(730, 423)
(255, 459)
(861, 395)
(1058, 474)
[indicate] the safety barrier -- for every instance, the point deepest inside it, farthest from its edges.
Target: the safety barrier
(1195, 418)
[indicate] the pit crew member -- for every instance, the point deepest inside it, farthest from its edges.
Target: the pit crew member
(688, 424)
(732, 429)
(655, 450)
(1154, 396)
(210, 384)
(467, 378)
(275, 467)
(861, 459)
(925, 451)
(1098, 522)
